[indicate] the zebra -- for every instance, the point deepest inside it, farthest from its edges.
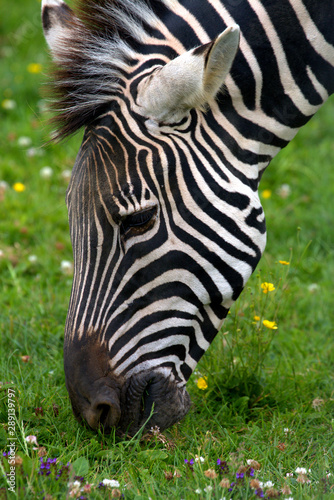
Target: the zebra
(184, 103)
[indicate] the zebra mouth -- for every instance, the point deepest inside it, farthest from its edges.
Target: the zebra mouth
(146, 400)
(152, 399)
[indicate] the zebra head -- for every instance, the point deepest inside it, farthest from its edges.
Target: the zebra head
(156, 219)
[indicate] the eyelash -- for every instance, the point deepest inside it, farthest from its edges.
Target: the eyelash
(137, 223)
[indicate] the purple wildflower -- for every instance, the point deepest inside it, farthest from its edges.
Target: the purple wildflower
(240, 475)
(250, 472)
(44, 467)
(79, 478)
(190, 463)
(39, 411)
(232, 486)
(259, 493)
(49, 466)
(223, 467)
(63, 469)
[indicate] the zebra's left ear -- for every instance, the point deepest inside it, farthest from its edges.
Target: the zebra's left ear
(189, 81)
(59, 23)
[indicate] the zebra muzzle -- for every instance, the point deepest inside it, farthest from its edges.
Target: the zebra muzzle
(108, 401)
(104, 411)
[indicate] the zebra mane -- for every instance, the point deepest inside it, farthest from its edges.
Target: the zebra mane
(96, 51)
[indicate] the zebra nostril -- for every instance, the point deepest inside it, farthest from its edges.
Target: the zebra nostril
(103, 413)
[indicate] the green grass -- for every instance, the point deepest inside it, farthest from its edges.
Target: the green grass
(261, 382)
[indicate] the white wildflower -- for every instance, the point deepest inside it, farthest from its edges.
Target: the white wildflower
(66, 175)
(31, 152)
(32, 259)
(24, 142)
(112, 483)
(199, 459)
(208, 488)
(313, 288)
(268, 484)
(301, 470)
(66, 267)
(198, 491)
(31, 440)
(155, 430)
(284, 191)
(289, 474)
(46, 172)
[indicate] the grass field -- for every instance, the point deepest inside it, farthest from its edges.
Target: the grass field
(267, 394)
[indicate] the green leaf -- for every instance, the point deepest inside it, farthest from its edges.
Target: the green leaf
(110, 454)
(3, 437)
(81, 466)
(241, 404)
(153, 455)
(28, 465)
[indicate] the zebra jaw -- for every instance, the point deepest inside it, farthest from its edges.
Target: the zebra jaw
(191, 80)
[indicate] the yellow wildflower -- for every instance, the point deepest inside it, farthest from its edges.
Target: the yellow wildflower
(284, 262)
(266, 193)
(267, 287)
(19, 187)
(202, 383)
(34, 68)
(270, 324)
(256, 318)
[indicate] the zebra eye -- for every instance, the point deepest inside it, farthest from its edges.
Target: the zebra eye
(138, 222)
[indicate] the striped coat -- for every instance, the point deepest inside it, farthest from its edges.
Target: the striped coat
(184, 105)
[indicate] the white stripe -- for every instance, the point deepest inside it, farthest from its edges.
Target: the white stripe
(290, 86)
(152, 347)
(317, 85)
(155, 364)
(256, 116)
(314, 36)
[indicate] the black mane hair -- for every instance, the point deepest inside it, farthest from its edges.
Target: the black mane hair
(93, 59)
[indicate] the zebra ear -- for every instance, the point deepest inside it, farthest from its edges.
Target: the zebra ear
(191, 80)
(58, 23)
